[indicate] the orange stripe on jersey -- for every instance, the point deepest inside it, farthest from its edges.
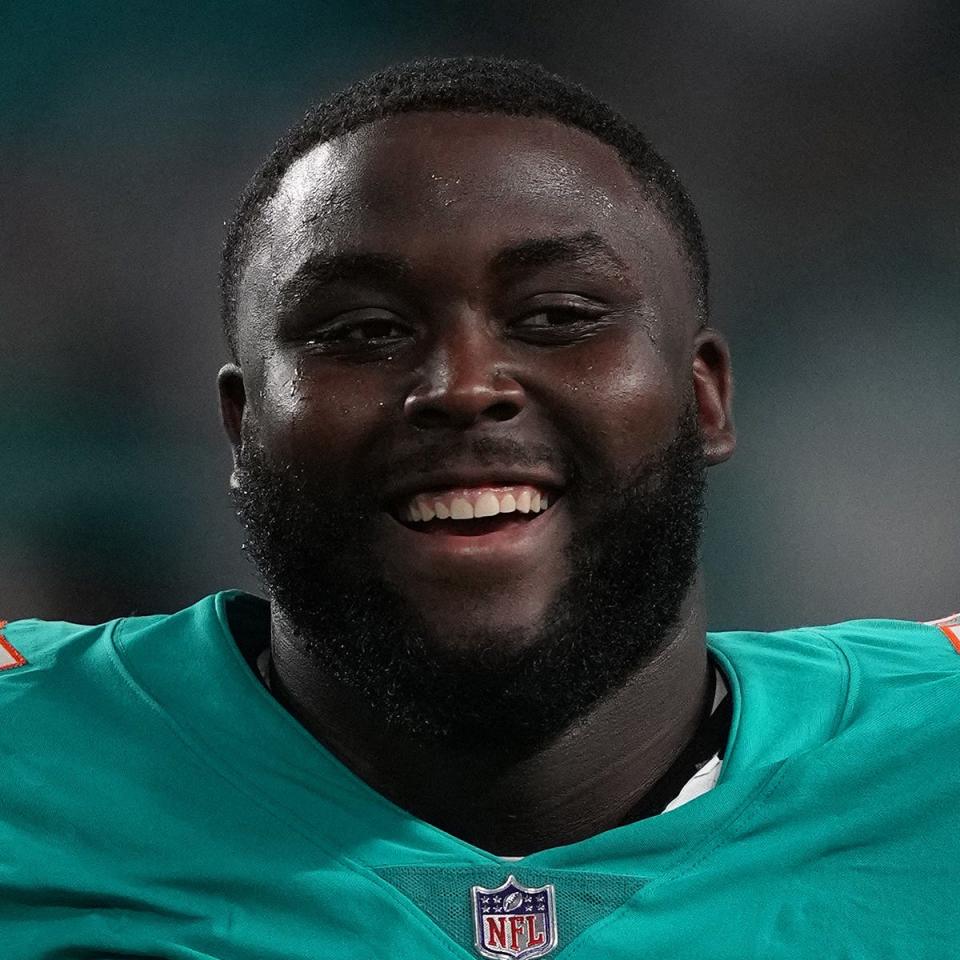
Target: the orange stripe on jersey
(10, 657)
(953, 635)
(952, 620)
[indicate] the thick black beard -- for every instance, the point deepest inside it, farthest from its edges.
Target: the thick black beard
(632, 568)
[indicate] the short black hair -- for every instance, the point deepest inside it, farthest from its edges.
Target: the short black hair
(461, 85)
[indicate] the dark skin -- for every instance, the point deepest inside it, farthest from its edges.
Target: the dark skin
(472, 276)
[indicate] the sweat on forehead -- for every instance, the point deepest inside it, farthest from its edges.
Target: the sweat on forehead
(460, 85)
(437, 172)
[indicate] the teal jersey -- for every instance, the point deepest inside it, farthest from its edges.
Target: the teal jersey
(157, 802)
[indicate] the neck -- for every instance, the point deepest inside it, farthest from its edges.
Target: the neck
(580, 783)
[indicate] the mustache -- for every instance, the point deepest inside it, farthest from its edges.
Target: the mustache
(479, 451)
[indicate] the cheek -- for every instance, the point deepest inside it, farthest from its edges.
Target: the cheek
(321, 421)
(621, 403)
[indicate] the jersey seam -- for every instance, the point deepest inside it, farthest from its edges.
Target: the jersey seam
(850, 671)
(403, 903)
(849, 688)
(750, 809)
(747, 809)
(732, 680)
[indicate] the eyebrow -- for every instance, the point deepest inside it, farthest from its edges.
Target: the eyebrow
(321, 270)
(546, 251)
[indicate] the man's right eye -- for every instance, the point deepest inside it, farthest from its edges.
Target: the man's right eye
(371, 330)
(353, 331)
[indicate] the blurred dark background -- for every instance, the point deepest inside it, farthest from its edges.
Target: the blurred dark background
(819, 140)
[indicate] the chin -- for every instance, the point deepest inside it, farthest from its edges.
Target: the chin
(483, 629)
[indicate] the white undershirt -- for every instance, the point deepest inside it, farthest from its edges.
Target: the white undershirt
(705, 779)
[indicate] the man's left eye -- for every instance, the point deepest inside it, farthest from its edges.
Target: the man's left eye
(559, 322)
(553, 317)
(372, 330)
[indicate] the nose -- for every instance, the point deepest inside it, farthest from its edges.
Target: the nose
(464, 381)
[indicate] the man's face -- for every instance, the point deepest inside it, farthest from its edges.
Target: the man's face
(445, 314)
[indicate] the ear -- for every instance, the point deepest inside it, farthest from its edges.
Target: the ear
(713, 390)
(233, 400)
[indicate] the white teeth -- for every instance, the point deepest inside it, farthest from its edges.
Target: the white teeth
(489, 503)
(487, 506)
(461, 509)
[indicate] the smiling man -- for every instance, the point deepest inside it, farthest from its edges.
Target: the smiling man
(472, 399)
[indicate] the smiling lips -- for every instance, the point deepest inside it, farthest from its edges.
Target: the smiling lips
(469, 503)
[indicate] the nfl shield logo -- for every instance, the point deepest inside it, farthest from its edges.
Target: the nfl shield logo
(514, 921)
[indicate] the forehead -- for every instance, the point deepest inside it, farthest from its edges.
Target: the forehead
(448, 187)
